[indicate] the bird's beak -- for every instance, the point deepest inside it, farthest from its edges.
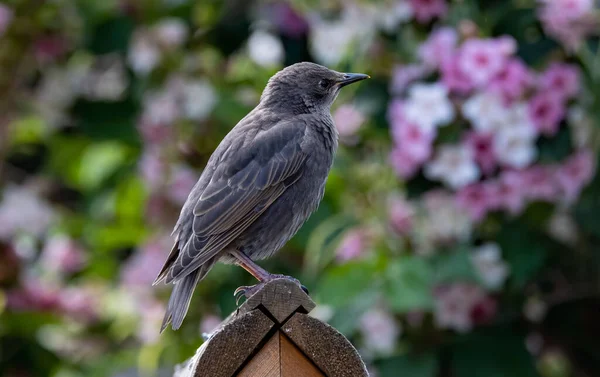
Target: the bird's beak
(349, 78)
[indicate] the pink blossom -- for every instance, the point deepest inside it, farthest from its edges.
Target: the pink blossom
(142, 267)
(348, 119)
(475, 199)
(400, 214)
(152, 312)
(33, 295)
(181, 183)
(482, 147)
(395, 111)
(484, 311)
(560, 79)
(483, 59)
(50, 47)
(414, 141)
(209, 323)
(512, 81)
(404, 164)
(426, 10)
(546, 110)
(508, 192)
(288, 20)
(79, 303)
(539, 183)
(152, 168)
(352, 246)
(63, 254)
(569, 21)
(404, 75)
(575, 173)
(379, 330)
(454, 78)
(458, 307)
(6, 16)
(439, 47)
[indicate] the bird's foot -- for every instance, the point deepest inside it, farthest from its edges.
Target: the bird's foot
(248, 291)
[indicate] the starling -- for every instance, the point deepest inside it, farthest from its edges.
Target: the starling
(260, 185)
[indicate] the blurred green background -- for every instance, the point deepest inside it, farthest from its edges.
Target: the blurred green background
(436, 255)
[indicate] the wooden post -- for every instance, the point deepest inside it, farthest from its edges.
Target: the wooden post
(272, 335)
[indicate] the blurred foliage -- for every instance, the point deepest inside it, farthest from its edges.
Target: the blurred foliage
(109, 111)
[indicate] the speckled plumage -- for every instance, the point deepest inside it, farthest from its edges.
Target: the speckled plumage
(262, 182)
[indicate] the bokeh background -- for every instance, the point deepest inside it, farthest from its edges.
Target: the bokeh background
(460, 230)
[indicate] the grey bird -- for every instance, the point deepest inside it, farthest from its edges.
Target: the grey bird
(260, 185)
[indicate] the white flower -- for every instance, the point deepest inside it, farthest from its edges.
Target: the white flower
(104, 80)
(485, 111)
(170, 33)
(391, 15)
(265, 49)
(454, 165)
(143, 53)
(330, 39)
(428, 105)
(515, 147)
(379, 330)
(491, 268)
(199, 99)
(22, 210)
(160, 107)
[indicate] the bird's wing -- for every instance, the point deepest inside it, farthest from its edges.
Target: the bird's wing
(245, 183)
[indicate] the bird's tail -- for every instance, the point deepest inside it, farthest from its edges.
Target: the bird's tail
(181, 296)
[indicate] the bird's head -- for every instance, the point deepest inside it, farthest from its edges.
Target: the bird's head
(306, 87)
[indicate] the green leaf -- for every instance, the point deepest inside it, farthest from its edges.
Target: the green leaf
(130, 199)
(409, 284)
(454, 265)
(523, 248)
(556, 148)
(587, 209)
(99, 161)
(341, 284)
(495, 352)
(420, 365)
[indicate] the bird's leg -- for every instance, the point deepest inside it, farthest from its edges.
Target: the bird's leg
(262, 275)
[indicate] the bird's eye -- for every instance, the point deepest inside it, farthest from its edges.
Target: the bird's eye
(324, 83)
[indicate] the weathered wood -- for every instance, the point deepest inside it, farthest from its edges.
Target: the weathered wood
(293, 362)
(271, 335)
(266, 362)
(326, 347)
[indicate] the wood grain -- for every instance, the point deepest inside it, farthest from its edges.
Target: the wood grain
(293, 362)
(266, 363)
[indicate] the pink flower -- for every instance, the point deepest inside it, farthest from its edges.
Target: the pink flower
(482, 147)
(508, 192)
(209, 323)
(575, 173)
(33, 295)
(152, 168)
(400, 214)
(379, 330)
(457, 307)
(404, 164)
(79, 303)
(483, 59)
(348, 120)
(426, 10)
(569, 21)
(352, 246)
(404, 75)
(50, 47)
(512, 81)
(6, 16)
(142, 267)
(63, 254)
(439, 47)
(289, 21)
(560, 79)
(454, 78)
(546, 110)
(181, 183)
(395, 111)
(475, 199)
(539, 183)
(414, 141)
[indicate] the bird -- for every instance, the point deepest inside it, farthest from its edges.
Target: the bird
(262, 182)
